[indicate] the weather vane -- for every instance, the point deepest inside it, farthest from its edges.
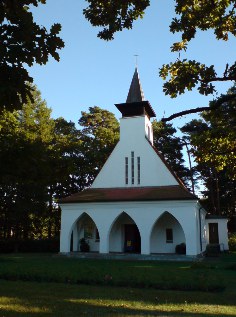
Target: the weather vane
(136, 60)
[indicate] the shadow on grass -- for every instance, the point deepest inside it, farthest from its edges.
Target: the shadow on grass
(49, 299)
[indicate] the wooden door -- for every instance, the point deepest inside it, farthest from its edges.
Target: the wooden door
(213, 233)
(132, 241)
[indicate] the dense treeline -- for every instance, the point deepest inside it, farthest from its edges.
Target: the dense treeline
(44, 159)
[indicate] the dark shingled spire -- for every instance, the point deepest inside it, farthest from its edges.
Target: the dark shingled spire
(135, 91)
(135, 104)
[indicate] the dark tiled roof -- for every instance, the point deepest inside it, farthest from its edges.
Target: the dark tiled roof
(176, 192)
(215, 217)
(136, 109)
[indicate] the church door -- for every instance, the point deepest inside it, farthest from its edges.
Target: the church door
(213, 233)
(132, 241)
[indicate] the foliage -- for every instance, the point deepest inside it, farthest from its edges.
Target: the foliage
(180, 248)
(84, 245)
(99, 135)
(114, 15)
(171, 146)
(22, 170)
(29, 245)
(212, 250)
(215, 15)
(213, 146)
(191, 16)
(23, 42)
(36, 167)
(232, 242)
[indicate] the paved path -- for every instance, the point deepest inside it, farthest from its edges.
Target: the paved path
(127, 256)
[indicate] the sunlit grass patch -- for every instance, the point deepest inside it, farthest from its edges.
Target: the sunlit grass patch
(57, 300)
(15, 304)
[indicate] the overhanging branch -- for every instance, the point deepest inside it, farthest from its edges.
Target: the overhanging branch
(215, 106)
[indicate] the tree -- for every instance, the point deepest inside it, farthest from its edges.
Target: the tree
(23, 185)
(191, 16)
(213, 140)
(171, 147)
(23, 42)
(214, 137)
(99, 135)
(114, 15)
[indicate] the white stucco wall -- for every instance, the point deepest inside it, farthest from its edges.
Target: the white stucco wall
(158, 236)
(222, 231)
(144, 214)
(153, 172)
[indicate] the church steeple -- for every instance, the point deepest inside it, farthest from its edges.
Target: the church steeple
(135, 91)
(135, 104)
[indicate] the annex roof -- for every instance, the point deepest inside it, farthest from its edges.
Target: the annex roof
(159, 193)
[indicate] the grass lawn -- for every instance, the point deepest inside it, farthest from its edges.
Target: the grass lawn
(43, 285)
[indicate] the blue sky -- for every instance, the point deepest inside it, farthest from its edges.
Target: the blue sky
(94, 72)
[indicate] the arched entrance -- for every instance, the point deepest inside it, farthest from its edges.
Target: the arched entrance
(124, 235)
(166, 233)
(86, 229)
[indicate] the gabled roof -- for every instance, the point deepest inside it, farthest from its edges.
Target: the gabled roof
(159, 193)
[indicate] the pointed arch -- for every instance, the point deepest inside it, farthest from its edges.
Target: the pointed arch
(124, 234)
(84, 227)
(166, 233)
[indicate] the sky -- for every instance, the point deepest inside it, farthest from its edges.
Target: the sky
(93, 72)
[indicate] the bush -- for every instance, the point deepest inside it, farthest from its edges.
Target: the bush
(232, 242)
(180, 248)
(43, 245)
(84, 245)
(212, 250)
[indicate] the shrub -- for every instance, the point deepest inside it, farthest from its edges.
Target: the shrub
(212, 250)
(42, 245)
(180, 248)
(84, 245)
(232, 242)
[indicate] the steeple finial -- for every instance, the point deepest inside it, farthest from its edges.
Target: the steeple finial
(135, 91)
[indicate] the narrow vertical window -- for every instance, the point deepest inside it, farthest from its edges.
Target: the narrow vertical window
(132, 167)
(138, 163)
(169, 235)
(126, 171)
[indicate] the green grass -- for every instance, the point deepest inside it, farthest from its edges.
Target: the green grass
(94, 287)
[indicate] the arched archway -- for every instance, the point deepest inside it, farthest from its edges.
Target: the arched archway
(124, 235)
(166, 233)
(85, 227)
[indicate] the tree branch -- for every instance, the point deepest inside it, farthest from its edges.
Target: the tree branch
(224, 78)
(215, 106)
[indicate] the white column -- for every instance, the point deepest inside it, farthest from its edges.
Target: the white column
(104, 243)
(145, 242)
(64, 237)
(75, 238)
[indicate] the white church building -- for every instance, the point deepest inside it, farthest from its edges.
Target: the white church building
(137, 204)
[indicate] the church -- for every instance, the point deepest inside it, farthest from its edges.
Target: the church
(136, 203)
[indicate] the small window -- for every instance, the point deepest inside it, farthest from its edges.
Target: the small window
(138, 163)
(132, 167)
(169, 236)
(126, 170)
